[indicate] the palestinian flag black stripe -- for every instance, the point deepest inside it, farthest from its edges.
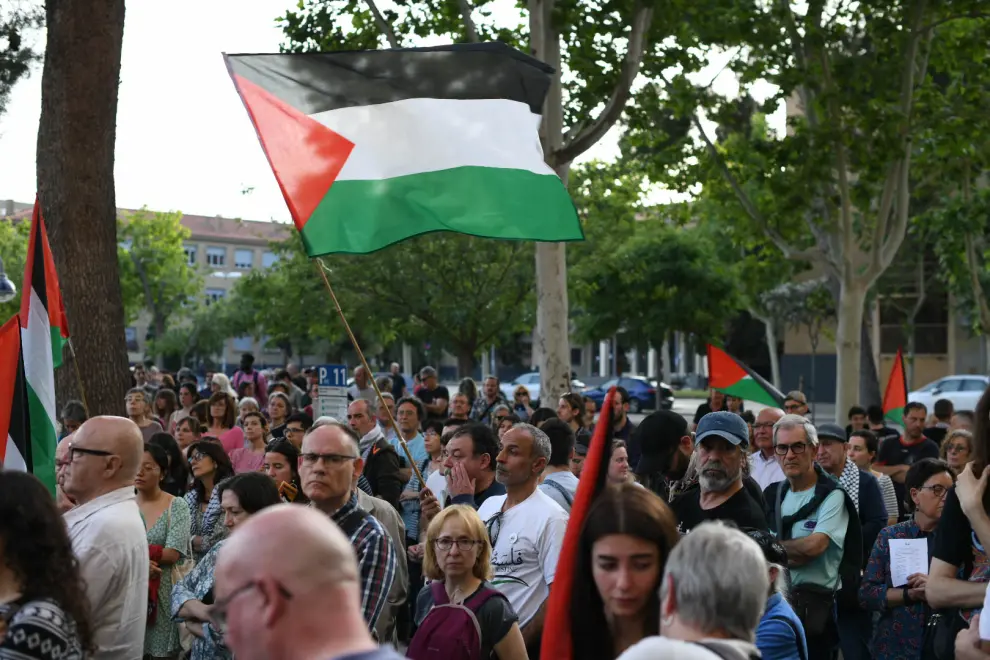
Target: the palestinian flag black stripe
(317, 82)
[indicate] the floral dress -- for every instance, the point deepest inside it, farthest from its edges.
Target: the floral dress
(900, 632)
(171, 530)
(198, 585)
(207, 524)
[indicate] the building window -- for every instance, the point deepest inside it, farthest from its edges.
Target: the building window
(190, 254)
(243, 259)
(269, 259)
(216, 256)
(130, 338)
(242, 343)
(213, 295)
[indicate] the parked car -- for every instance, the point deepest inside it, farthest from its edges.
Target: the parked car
(642, 393)
(963, 391)
(531, 382)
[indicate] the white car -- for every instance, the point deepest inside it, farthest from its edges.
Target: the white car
(531, 382)
(963, 391)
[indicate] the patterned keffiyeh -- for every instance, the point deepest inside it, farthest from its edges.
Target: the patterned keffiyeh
(849, 480)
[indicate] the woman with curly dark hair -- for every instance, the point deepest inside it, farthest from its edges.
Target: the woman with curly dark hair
(41, 590)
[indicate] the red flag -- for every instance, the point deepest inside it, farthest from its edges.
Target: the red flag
(15, 434)
(895, 396)
(556, 642)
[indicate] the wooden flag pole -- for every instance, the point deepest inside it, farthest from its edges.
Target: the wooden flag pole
(322, 268)
(79, 383)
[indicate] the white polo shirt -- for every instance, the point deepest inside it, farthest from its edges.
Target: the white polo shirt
(526, 549)
(765, 471)
(111, 544)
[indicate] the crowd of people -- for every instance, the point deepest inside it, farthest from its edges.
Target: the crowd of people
(227, 522)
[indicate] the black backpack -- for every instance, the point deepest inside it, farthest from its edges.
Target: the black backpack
(850, 568)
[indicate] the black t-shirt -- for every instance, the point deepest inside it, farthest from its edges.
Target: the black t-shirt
(741, 509)
(495, 617)
(895, 452)
(956, 542)
(429, 396)
(936, 433)
(398, 384)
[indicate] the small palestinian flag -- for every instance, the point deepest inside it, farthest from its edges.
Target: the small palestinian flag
(15, 422)
(373, 147)
(43, 332)
(730, 376)
(557, 641)
(895, 396)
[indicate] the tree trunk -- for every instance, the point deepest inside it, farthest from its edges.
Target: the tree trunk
(770, 329)
(160, 329)
(465, 362)
(552, 338)
(75, 160)
(848, 345)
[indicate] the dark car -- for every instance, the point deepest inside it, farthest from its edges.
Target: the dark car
(642, 393)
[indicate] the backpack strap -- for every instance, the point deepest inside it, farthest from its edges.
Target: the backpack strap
(797, 634)
(560, 489)
(439, 592)
(482, 596)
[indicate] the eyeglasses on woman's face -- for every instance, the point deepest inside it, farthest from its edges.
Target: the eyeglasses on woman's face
(445, 543)
(938, 490)
(960, 448)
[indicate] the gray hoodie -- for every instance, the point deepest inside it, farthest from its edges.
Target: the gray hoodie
(652, 648)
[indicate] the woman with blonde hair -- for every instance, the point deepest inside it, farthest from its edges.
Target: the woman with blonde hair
(220, 383)
(957, 449)
(458, 560)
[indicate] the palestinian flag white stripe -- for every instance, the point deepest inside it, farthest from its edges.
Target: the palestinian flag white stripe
(418, 135)
(12, 459)
(39, 366)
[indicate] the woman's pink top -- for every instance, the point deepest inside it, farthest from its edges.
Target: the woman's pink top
(245, 460)
(232, 439)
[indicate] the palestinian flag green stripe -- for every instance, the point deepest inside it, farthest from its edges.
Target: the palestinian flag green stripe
(502, 204)
(43, 441)
(749, 390)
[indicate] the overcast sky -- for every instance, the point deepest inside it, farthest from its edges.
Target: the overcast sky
(184, 141)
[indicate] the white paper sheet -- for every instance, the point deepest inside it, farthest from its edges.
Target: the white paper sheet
(907, 557)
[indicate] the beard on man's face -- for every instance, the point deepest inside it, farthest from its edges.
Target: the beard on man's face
(716, 476)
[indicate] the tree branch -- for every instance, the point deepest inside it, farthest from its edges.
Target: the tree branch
(748, 206)
(469, 26)
(841, 159)
(383, 25)
(954, 17)
(591, 134)
(801, 57)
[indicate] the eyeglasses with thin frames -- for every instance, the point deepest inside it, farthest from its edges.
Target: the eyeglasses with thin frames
(310, 458)
(464, 545)
(218, 612)
(938, 490)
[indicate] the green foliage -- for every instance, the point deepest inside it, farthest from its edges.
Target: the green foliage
(957, 231)
(661, 279)
(199, 337)
(154, 269)
(16, 56)
(13, 250)
(286, 303)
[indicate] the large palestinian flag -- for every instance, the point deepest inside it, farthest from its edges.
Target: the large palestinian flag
(895, 396)
(43, 332)
(15, 442)
(374, 147)
(730, 376)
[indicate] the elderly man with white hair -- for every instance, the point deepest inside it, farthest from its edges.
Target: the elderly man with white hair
(526, 528)
(818, 525)
(708, 614)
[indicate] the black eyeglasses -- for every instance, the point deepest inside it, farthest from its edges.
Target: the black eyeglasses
(797, 448)
(218, 612)
(73, 450)
(329, 459)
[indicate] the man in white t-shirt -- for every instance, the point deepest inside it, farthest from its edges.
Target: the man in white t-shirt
(558, 480)
(526, 528)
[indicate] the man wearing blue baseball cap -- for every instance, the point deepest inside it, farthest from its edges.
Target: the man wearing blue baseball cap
(720, 450)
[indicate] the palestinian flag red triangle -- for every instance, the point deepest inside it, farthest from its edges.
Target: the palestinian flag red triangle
(895, 396)
(15, 418)
(730, 376)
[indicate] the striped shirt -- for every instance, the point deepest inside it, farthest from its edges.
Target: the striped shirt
(375, 555)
